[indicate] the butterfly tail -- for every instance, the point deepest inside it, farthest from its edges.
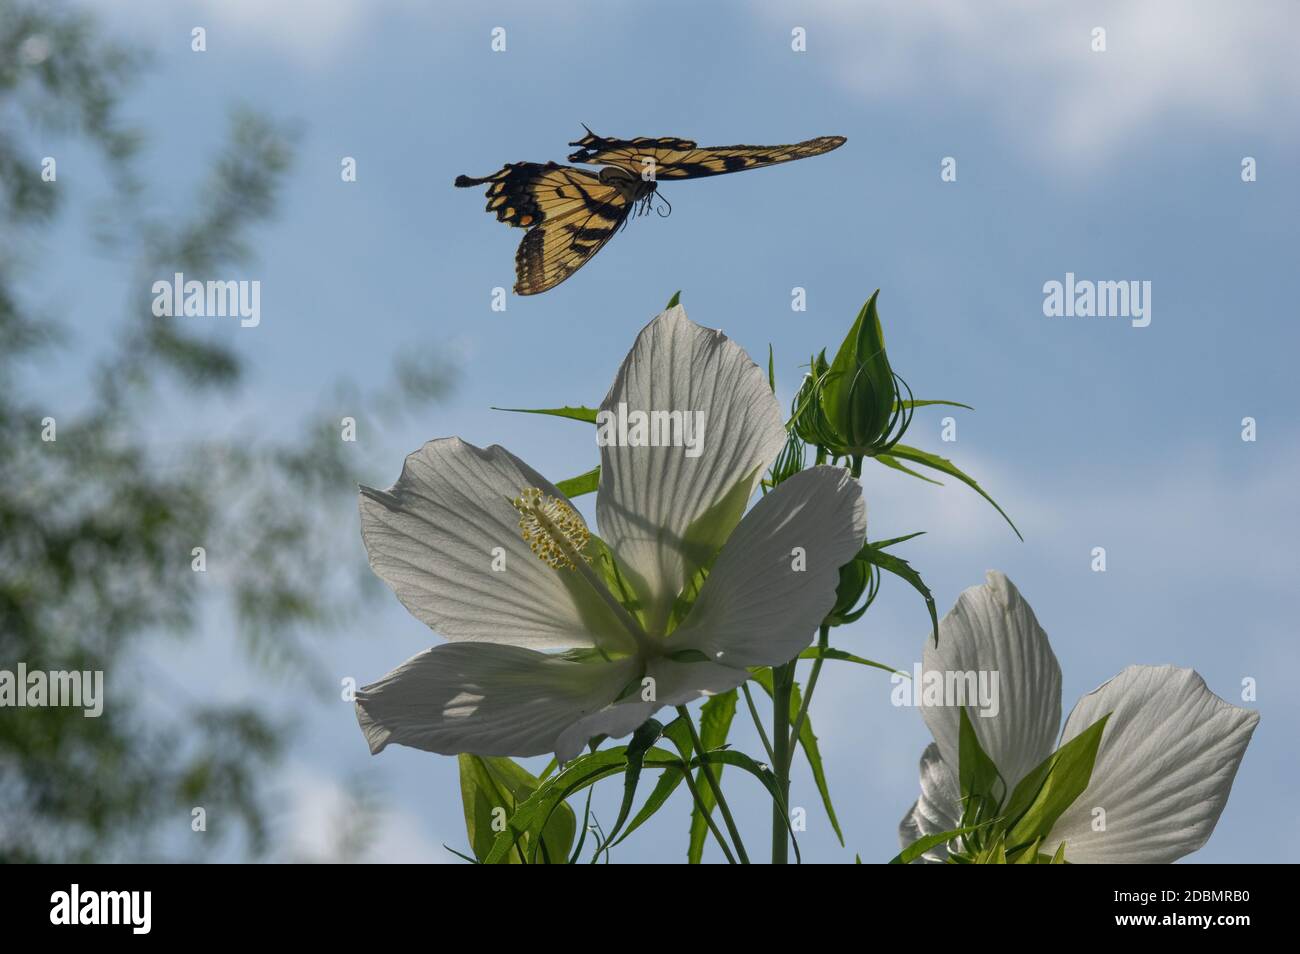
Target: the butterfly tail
(464, 182)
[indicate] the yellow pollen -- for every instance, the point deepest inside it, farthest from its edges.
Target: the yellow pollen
(551, 528)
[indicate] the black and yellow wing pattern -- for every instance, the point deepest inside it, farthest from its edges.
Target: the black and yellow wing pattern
(571, 213)
(672, 158)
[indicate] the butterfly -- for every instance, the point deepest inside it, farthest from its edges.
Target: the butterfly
(571, 213)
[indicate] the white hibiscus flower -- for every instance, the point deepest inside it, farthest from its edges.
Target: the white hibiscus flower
(502, 686)
(1168, 752)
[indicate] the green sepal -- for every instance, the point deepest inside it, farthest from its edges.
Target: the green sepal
(1045, 793)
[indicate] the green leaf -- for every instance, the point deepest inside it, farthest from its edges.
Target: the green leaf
(646, 735)
(489, 785)
(582, 484)
(1028, 856)
(674, 301)
(943, 465)
(807, 742)
(668, 782)
(875, 555)
(889, 461)
(536, 811)
(982, 786)
(765, 775)
(894, 541)
(919, 847)
(586, 827)
(716, 716)
(1046, 792)
(816, 652)
(585, 414)
(771, 368)
(913, 404)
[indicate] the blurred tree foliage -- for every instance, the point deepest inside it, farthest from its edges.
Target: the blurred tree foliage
(97, 527)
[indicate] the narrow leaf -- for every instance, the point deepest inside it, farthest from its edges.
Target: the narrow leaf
(582, 484)
(873, 554)
(943, 465)
(585, 414)
(919, 847)
(889, 461)
(919, 403)
(646, 735)
(716, 717)
(816, 652)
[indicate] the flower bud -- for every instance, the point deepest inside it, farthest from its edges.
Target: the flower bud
(858, 576)
(860, 392)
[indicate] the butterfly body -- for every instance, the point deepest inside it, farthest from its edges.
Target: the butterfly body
(571, 213)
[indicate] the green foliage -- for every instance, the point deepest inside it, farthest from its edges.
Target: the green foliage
(97, 527)
(493, 788)
(716, 717)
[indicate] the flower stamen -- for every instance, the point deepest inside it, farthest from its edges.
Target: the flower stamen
(552, 529)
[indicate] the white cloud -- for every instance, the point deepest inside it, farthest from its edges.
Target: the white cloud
(1030, 65)
(1175, 510)
(319, 808)
(308, 30)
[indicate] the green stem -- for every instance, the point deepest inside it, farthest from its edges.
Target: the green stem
(782, 684)
(758, 723)
(823, 642)
(708, 815)
(707, 771)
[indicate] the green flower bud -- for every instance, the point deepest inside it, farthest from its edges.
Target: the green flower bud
(854, 407)
(857, 577)
(807, 418)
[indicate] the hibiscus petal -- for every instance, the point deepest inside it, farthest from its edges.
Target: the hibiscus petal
(486, 699)
(1168, 755)
(992, 629)
(937, 810)
(674, 684)
(774, 581)
(665, 514)
(432, 537)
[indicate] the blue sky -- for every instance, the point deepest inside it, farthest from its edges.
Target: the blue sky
(1117, 165)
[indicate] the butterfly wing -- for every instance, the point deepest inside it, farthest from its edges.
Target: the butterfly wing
(672, 158)
(569, 213)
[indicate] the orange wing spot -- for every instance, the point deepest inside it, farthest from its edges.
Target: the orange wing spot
(525, 220)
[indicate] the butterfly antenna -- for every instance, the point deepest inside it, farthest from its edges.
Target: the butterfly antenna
(660, 212)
